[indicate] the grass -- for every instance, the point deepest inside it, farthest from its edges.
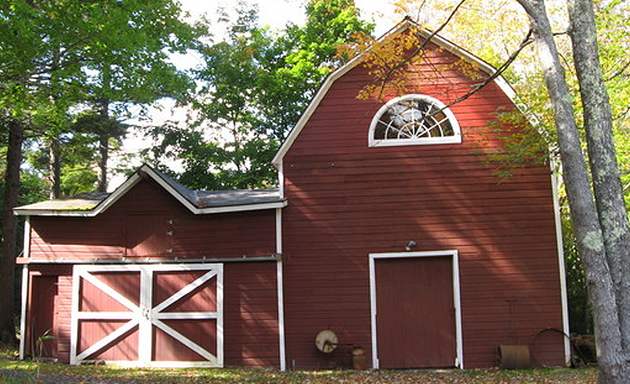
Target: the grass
(31, 370)
(22, 372)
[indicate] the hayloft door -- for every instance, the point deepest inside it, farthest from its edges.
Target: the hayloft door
(148, 315)
(414, 314)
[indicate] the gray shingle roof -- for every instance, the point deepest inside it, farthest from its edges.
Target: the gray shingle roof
(201, 200)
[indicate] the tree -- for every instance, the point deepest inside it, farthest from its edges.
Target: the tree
(599, 217)
(255, 85)
(51, 52)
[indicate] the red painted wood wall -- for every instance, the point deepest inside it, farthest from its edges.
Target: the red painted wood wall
(347, 200)
(250, 287)
(137, 225)
(250, 313)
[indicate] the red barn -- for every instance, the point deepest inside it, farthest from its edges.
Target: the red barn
(389, 228)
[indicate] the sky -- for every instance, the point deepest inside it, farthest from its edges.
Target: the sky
(276, 14)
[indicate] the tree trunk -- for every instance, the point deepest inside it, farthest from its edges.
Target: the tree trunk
(584, 215)
(607, 186)
(103, 146)
(54, 165)
(7, 250)
(102, 162)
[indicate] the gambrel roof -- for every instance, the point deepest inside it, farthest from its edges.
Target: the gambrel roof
(403, 26)
(198, 202)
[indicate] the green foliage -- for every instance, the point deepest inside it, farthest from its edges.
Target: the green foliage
(255, 84)
(614, 44)
(113, 55)
(76, 179)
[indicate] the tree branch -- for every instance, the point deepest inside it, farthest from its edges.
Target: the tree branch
(619, 72)
(524, 43)
(422, 46)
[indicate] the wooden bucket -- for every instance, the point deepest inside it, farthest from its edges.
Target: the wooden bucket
(358, 358)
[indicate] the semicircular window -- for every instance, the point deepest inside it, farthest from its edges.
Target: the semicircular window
(414, 120)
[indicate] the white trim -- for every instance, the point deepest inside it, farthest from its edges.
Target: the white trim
(281, 331)
(220, 329)
(459, 360)
(144, 315)
(280, 167)
(196, 211)
(135, 179)
(372, 271)
(27, 237)
(280, 287)
(106, 315)
(187, 316)
(401, 27)
(456, 138)
(146, 322)
(74, 318)
(561, 266)
(25, 281)
(143, 261)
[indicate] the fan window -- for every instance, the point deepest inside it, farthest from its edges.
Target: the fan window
(414, 119)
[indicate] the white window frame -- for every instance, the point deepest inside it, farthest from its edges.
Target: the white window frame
(456, 138)
(454, 256)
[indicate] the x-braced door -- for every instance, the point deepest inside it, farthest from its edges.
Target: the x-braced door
(148, 315)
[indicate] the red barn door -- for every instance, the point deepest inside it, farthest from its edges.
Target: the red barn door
(148, 315)
(42, 321)
(415, 314)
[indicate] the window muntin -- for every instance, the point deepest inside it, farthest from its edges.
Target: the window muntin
(414, 120)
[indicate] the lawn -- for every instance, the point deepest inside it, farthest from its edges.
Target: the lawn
(14, 371)
(30, 372)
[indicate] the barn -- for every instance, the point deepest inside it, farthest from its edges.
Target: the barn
(389, 230)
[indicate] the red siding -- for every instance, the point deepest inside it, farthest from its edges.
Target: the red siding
(250, 315)
(139, 225)
(347, 200)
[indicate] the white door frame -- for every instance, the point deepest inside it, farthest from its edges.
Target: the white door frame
(459, 360)
(145, 315)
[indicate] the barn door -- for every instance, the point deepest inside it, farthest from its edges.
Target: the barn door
(148, 315)
(414, 312)
(43, 333)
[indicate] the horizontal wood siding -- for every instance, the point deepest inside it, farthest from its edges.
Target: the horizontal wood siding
(251, 314)
(347, 200)
(129, 229)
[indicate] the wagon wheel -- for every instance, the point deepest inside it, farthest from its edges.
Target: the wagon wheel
(539, 338)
